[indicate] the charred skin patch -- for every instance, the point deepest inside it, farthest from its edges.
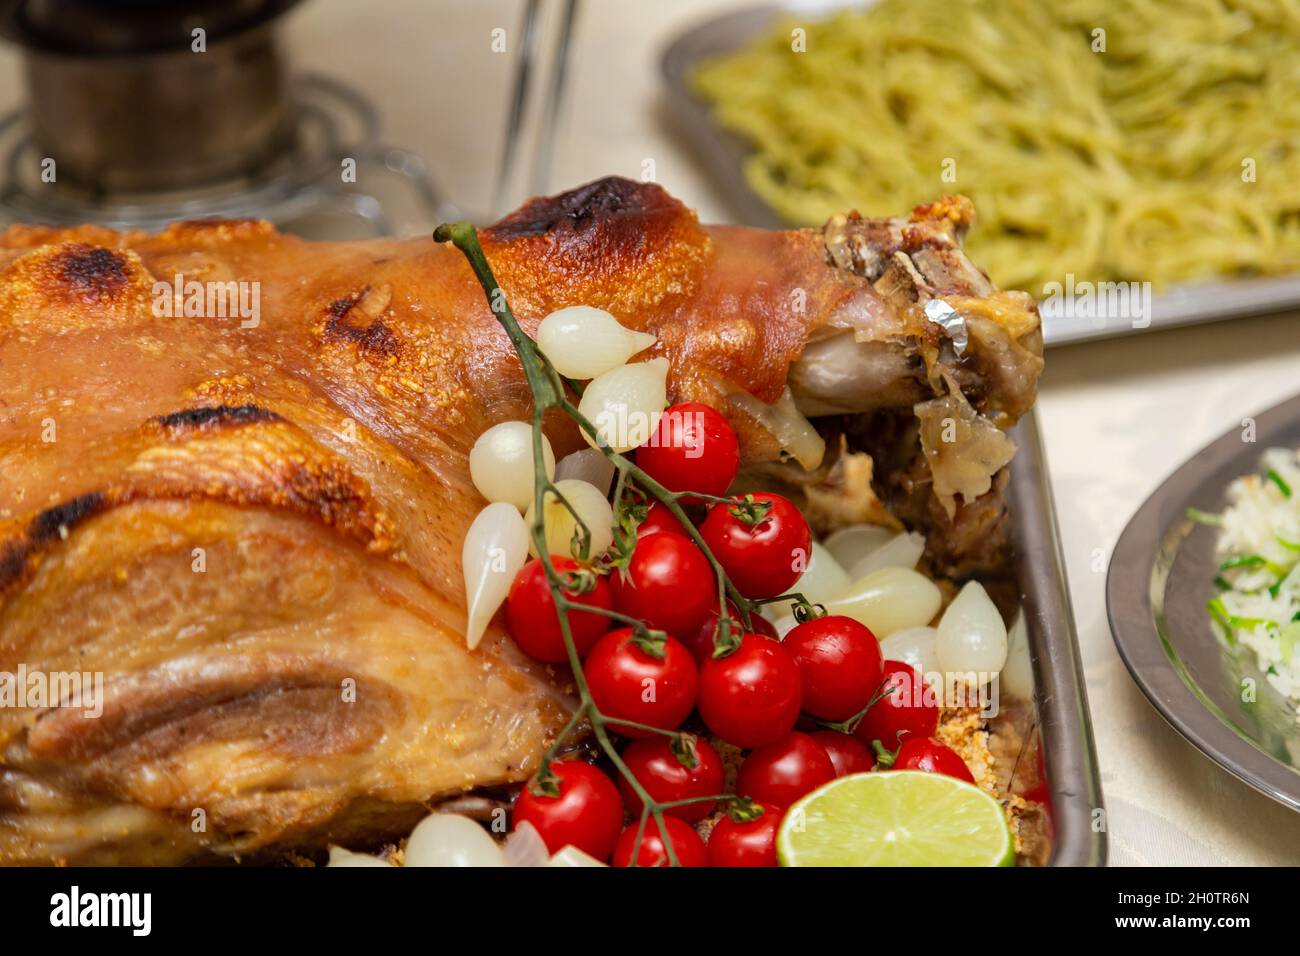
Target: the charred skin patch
(93, 272)
(613, 243)
(373, 337)
(207, 418)
(74, 286)
(18, 552)
(582, 208)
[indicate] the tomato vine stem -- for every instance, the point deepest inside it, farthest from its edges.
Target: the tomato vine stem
(548, 391)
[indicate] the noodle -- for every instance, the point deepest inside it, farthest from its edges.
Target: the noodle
(1129, 164)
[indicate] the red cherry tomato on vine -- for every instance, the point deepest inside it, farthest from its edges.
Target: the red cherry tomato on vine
(659, 518)
(685, 841)
(751, 697)
(588, 813)
(700, 643)
(848, 754)
(626, 680)
(669, 584)
(840, 663)
(762, 556)
(533, 621)
(747, 843)
(693, 449)
(782, 772)
(908, 708)
(667, 779)
(928, 754)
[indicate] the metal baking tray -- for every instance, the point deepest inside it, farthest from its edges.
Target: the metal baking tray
(723, 153)
(1060, 696)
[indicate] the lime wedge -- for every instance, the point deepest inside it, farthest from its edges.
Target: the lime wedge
(895, 818)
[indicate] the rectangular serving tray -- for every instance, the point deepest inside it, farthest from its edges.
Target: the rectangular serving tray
(724, 154)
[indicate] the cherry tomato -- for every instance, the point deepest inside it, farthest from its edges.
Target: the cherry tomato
(533, 621)
(700, 643)
(909, 707)
(751, 697)
(746, 843)
(763, 558)
(659, 518)
(839, 661)
(693, 449)
(782, 772)
(928, 754)
(588, 813)
(669, 584)
(627, 681)
(667, 779)
(685, 841)
(848, 754)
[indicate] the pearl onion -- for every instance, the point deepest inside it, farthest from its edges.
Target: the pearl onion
(823, 579)
(590, 504)
(625, 404)
(889, 600)
(850, 545)
(1018, 672)
(589, 464)
(570, 855)
(915, 646)
(582, 342)
(900, 551)
(448, 839)
(342, 857)
(972, 636)
(495, 548)
(501, 463)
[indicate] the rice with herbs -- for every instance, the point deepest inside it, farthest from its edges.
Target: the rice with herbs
(1258, 605)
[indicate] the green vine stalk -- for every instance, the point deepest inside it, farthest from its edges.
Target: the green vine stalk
(550, 390)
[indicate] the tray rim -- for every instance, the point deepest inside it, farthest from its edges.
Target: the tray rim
(722, 152)
(1060, 691)
(1130, 613)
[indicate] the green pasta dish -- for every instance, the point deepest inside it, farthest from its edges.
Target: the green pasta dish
(1110, 140)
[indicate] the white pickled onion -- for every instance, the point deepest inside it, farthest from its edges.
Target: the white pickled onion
(1018, 673)
(850, 545)
(626, 403)
(590, 465)
(448, 839)
(889, 600)
(525, 847)
(342, 857)
(570, 855)
(590, 504)
(915, 646)
(583, 342)
(901, 551)
(972, 635)
(496, 547)
(823, 579)
(501, 463)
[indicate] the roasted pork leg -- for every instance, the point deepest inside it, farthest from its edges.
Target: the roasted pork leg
(233, 487)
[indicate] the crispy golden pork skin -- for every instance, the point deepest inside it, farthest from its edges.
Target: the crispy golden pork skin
(250, 524)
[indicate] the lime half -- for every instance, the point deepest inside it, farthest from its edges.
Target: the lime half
(896, 818)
